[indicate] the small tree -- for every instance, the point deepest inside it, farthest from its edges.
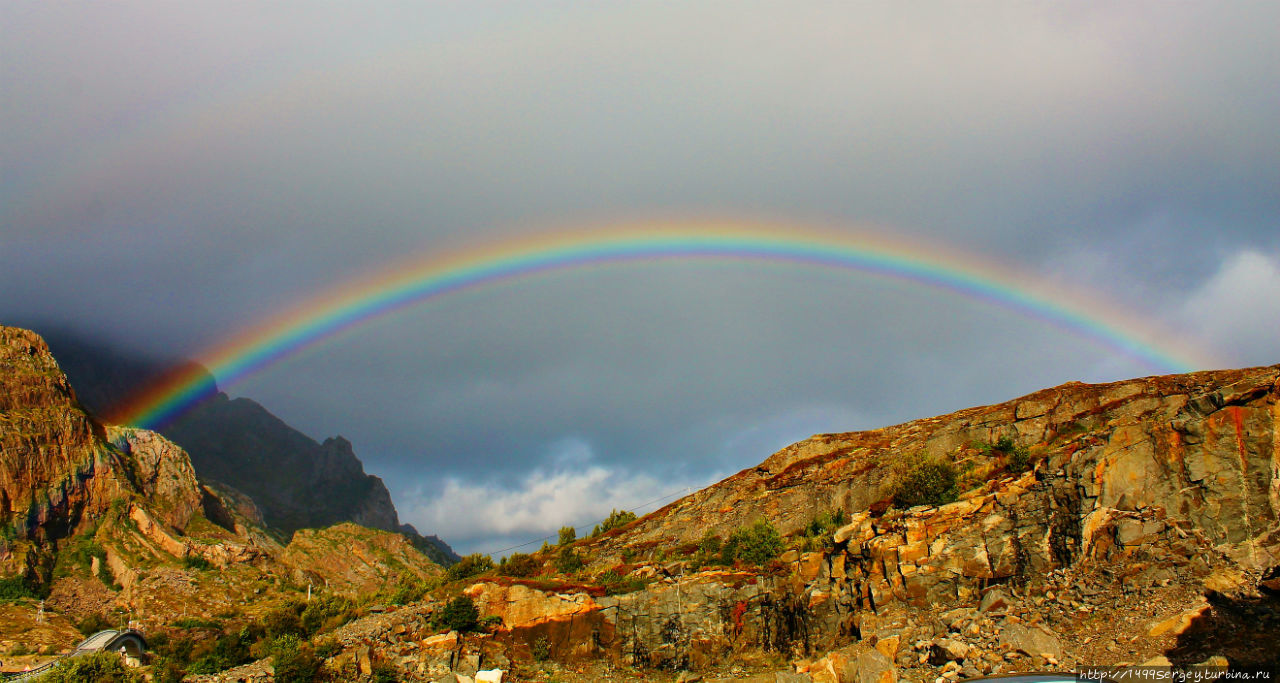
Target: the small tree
(569, 561)
(616, 519)
(293, 660)
(568, 535)
(460, 614)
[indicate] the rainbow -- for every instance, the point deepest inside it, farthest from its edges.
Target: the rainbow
(352, 304)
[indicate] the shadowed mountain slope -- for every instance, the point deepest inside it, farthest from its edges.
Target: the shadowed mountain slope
(296, 482)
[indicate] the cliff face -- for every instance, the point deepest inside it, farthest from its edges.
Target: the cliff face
(1199, 448)
(56, 469)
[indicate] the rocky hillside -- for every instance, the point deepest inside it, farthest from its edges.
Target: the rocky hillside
(1086, 525)
(296, 482)
(111, 523)
(1124, 523)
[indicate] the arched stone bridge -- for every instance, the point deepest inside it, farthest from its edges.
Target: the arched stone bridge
(129, 641)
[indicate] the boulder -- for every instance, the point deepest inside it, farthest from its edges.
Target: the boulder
(870, 667)
(1031, 640)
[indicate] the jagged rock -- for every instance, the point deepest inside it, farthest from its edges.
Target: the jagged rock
(1031, 640)
(994, 601)
(870, 667)
(946, 650)
(888, 646)
(1179, 623)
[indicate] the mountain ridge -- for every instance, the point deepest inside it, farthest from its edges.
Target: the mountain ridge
(295, 481)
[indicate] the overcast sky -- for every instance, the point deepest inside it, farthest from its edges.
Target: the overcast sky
(172, 173)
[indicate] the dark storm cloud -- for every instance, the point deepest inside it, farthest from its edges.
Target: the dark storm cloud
(169, 174)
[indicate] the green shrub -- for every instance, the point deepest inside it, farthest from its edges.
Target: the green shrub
(165, 670)
(470, 566)
(519, 565)
(196, 622)
(1019, 459)
(754, 545)
(100, 667)
(568, 535)
(616, 520)
(327, 612)
(228, 650)
(541, 649)
(93, 623)
(196, 562)
(284, 621)
(460, 614)
(294, 660)
(615, 584)
(328, 648)
(927, 482)
(407, 589)
(385, 673)
(817, 533)
(15, 588)
(569, 561)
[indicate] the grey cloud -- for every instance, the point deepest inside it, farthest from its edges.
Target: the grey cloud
(171, 174)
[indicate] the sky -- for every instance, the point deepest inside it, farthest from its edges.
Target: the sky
(171, 174)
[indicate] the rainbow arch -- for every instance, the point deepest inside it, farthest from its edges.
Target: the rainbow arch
(352, 304)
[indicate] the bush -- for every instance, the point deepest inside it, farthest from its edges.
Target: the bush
(616, 520)
(755, 545)
(327, 612)
(92, 624)
(927, 482)
(568, 535)
(15, 588)
(294, 660)
(196, 622)
(519, 565)
(228, 651)
(470, 566)
(569, 561)
(196, 562)
(460, 614)
(100, 667)
(541, 649)
(615, 584)
(407, 589)
(710, 545)
(385, 673)
(284, 621)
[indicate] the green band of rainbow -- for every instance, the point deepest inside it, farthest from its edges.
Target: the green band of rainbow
(355, 304)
